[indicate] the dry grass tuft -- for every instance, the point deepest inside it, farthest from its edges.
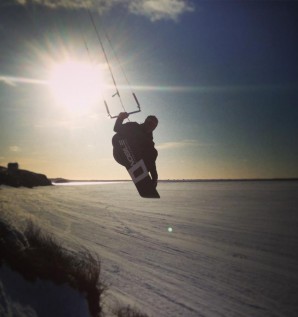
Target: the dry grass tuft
(35, 254)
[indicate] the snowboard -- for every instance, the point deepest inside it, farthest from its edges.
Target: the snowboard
(128, 156)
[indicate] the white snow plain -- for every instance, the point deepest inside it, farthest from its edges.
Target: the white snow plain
(232, 249)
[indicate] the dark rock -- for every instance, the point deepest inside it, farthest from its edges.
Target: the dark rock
(15, 177)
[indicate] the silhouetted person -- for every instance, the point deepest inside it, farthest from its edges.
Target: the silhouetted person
(140, 138)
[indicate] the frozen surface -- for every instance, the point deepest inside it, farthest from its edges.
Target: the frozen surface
(232, 250)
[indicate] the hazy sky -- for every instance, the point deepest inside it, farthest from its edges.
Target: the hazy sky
(221, 76)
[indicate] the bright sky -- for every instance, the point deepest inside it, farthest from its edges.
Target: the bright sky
(221, 76)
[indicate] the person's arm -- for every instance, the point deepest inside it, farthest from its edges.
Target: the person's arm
(118, 124)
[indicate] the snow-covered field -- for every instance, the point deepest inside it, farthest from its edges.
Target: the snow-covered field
(203, 249)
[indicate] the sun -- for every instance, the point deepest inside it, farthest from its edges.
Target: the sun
(76, 85)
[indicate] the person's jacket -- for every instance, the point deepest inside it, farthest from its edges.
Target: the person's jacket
(141, 140)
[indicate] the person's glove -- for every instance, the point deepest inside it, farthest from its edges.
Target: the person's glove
(123, 115)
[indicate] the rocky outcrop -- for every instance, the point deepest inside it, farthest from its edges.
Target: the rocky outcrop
(13, 176)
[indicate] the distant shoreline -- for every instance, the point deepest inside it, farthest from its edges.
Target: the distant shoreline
(61, 180)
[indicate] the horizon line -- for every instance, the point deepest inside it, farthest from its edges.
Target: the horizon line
(179, 179)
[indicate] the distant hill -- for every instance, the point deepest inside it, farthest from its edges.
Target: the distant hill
(60, 180)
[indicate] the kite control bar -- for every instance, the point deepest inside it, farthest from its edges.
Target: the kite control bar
(136, 100)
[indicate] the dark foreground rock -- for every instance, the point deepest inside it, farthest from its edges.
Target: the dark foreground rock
(18, 177)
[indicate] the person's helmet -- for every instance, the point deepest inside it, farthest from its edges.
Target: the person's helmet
(152, 122)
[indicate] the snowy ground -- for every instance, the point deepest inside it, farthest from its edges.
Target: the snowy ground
(232, 250)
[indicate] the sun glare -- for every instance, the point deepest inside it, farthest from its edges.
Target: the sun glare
(76, 85)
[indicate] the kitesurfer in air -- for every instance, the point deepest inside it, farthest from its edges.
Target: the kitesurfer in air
(140, 138)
